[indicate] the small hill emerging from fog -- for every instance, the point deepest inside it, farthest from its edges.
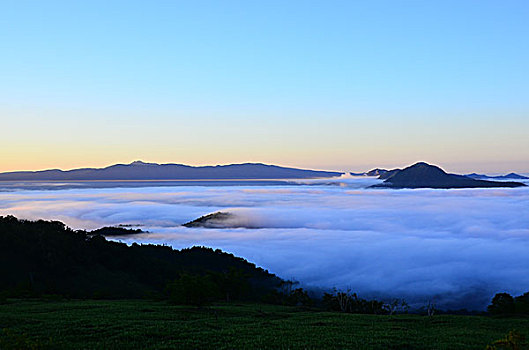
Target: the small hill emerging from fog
(213, 220)
(423, 175)
(221, 219)
(151, 171)
(115, 231)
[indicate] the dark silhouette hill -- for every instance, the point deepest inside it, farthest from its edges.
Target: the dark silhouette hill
(115, 231)
(423, 175)
(151, 171)
(46, 257)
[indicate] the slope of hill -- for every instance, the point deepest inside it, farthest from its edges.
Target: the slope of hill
(423, 175)
(151, 171)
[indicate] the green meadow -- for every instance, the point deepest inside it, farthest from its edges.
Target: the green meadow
(142, 324)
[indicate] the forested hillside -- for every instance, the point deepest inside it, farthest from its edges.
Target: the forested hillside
(46, 257)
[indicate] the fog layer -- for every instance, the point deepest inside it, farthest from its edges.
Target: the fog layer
(456, 247)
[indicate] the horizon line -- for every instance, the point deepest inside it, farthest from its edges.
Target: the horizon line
(138, 161)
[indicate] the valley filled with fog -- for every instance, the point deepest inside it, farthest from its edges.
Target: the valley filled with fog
(455, 247)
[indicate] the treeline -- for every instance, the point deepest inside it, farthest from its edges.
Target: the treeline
(506, 304)
(47, 258)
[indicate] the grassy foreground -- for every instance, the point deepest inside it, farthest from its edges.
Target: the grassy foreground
(157, 325)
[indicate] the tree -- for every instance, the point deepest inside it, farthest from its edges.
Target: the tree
(396, 305)
(430, 308)
(299, 297)
(287, 286)
(233, 283)
(344, 300)
(521, 304)
(502, 303)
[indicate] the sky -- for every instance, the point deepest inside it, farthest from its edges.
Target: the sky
(338, 85)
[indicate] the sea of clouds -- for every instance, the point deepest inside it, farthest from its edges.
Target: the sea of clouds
(456, 248)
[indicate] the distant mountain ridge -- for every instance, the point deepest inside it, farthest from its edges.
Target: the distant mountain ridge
(139, 170)
(373, 172)
(511, 176)
(423, 175)
(384, 174)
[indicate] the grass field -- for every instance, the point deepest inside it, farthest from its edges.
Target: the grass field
(158, 325)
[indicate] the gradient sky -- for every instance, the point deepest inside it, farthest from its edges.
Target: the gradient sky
(343, 85)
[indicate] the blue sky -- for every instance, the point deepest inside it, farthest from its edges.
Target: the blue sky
(324, 84)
